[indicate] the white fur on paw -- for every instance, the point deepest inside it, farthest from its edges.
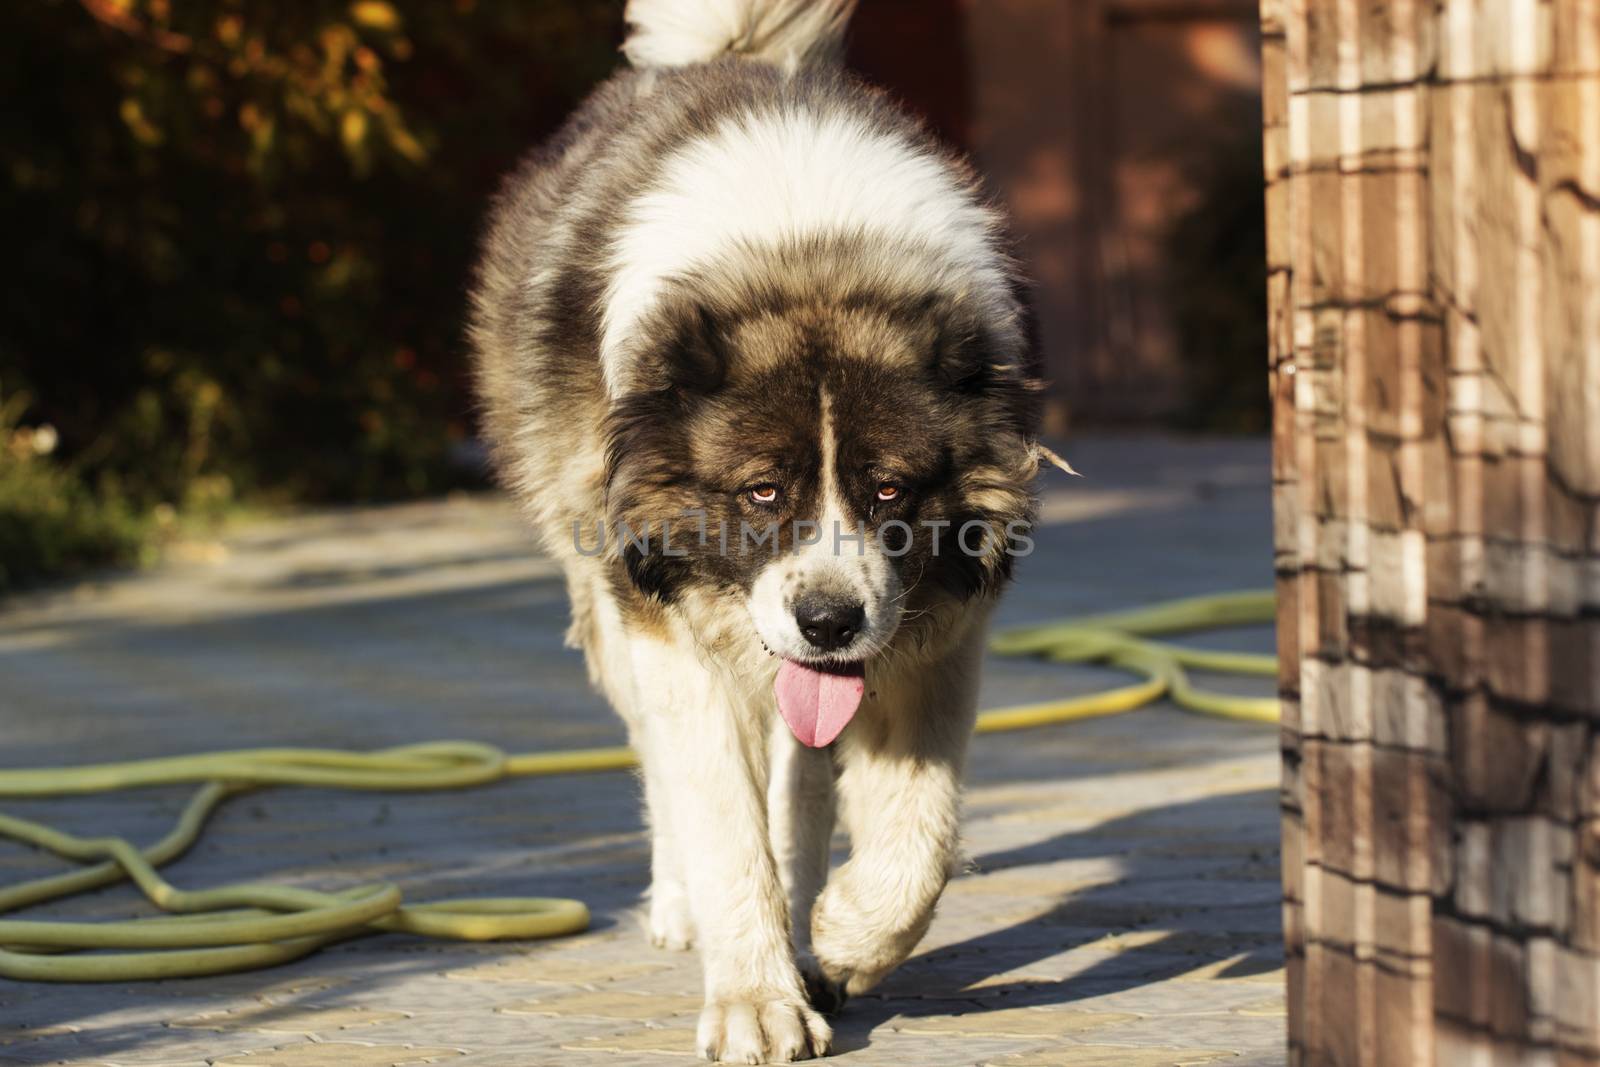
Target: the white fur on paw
(776, 1030)
(851, 952)
(671, 926)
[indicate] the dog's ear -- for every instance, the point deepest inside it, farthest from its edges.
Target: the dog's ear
(644, 491)
(651, 547)
(991, 516)
(968, 354)
(691, 356)
(959, 348)
(698, 359)
(656, 568)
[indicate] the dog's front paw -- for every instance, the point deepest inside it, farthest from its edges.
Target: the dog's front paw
(671, 925)
(761, 1030)
(840, 976)
(854, 952)
(823, 993)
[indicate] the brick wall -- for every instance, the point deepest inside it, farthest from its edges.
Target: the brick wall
(1433, 173)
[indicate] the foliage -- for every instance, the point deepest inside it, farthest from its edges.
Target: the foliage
(49, 521)
(239, 241)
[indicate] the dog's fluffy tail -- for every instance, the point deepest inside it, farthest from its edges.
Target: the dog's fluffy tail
(677, 33)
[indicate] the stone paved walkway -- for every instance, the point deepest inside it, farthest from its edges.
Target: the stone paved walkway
(1121, 910)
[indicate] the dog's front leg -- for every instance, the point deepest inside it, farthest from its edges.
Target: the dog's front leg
(800, 815)
(709, 751)
(900, 795)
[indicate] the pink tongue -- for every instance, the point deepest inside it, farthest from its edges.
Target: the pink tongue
(818, 703)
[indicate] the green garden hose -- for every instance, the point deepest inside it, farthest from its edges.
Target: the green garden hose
(243, 927)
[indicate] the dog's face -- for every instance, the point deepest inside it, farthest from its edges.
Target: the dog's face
(837, 467)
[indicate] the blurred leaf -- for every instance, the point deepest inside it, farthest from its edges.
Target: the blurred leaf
(353, 130)
(132, 113)
(401, 141)
(375, 15)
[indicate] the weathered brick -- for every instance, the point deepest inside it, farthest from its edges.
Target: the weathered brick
(1473, 857)
(1543, 985)
(1528, 858)
(1578, 1001)
(1560, 787)
(1452, 639)
(1343, 830)
(1589, 781)
(1575, 648)
(1332, 632)
(1340, 1025)
(1446, 582)
(1442, 809)
(1292, 860)
(1402, 927)
(1407, 712)
(1461, 970)
(1517, 658)
(1585, 888)
(1400, 819)
(1331, 912)
(1404, 1005)
(1496, 759)
(1456, 1044)
(1507, 982)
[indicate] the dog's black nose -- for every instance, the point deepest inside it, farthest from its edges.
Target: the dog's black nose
(829, 624)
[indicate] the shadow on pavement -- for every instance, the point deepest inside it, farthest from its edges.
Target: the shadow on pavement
(1184, 911)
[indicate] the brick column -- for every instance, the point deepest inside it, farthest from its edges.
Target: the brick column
(1433, 194)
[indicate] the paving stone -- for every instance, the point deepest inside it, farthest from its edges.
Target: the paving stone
(1113, 1056)
(1009, 1022)
(1272, 1007)
(340, 1054)
(555, 971)
(17, 1035)
(491, 1031)
(297, 1019)
(1020, 886)
(606, 1005)
(662, 1041)
(1212, 1030)
(938, 1050)
(1265, 970)
(559, 1057)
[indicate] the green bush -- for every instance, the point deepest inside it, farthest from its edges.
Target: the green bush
(49, 520)
(238, 241)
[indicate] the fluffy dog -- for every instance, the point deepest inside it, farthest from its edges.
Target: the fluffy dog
(752, 356)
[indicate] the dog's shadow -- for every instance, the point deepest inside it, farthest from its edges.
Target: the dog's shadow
(1197, 887)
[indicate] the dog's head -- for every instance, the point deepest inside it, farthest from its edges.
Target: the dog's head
(839, 456)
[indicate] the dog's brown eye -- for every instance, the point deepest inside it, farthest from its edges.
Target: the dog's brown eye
(888, 491)
(765, 493)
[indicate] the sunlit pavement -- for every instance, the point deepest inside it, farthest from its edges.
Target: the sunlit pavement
(1121, 909)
